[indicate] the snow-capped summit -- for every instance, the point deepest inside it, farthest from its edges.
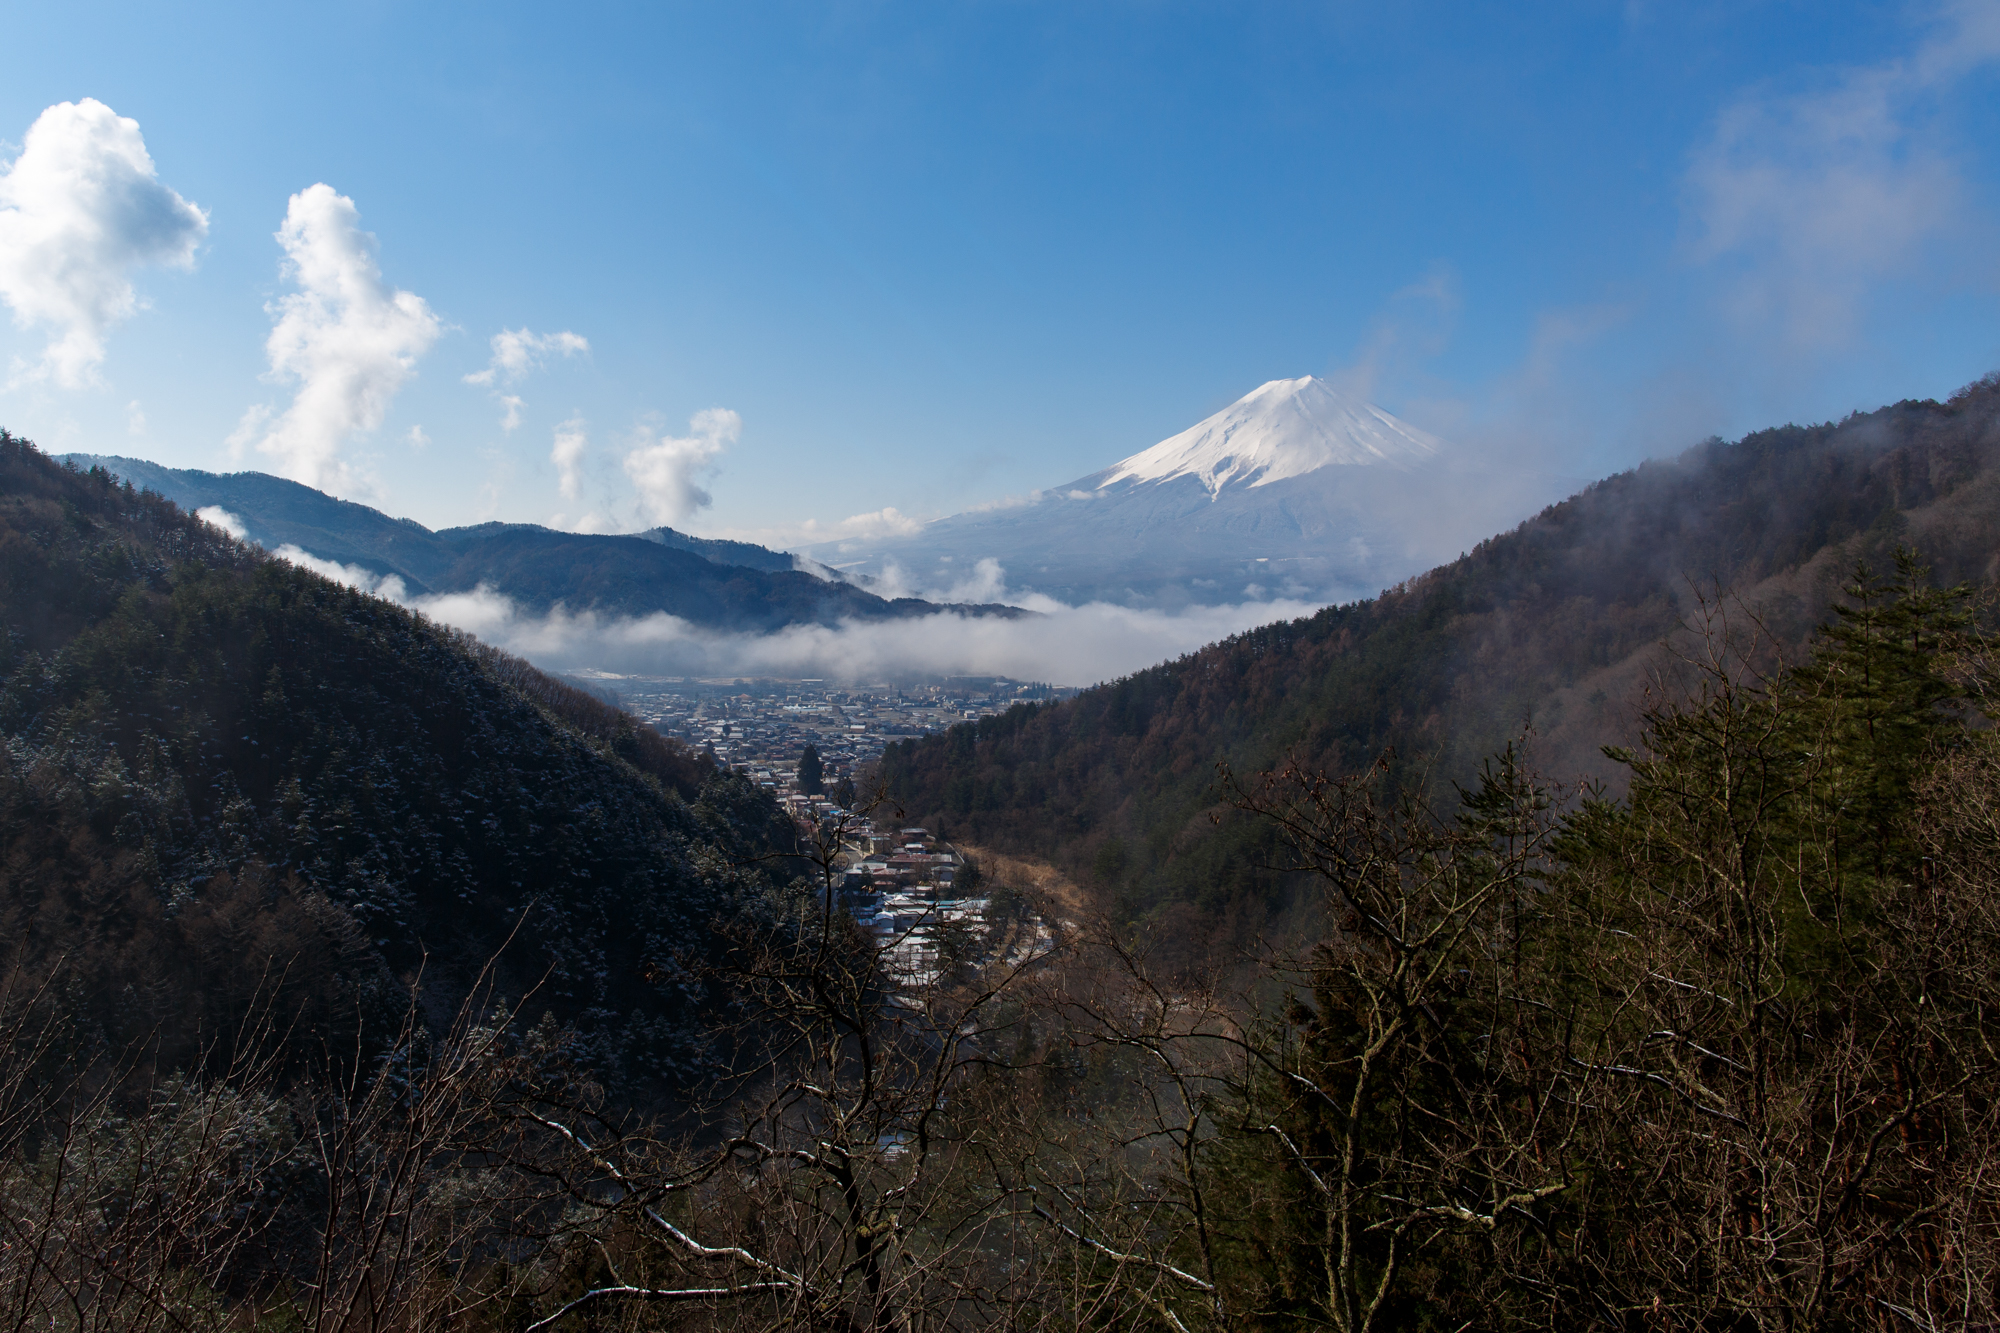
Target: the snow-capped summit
(1282, 429)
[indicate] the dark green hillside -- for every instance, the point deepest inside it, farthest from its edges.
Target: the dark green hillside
(1553, 623)
(217, 764)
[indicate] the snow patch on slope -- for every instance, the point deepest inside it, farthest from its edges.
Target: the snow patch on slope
(1285, 428)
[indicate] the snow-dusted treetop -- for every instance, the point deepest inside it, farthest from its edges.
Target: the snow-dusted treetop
(1285, 428)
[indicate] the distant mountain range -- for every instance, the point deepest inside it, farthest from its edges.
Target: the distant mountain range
(714, 584)
(1293, 490)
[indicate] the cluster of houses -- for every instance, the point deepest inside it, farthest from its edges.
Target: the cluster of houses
(915, 894)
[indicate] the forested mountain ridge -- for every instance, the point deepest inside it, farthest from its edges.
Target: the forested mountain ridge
(716, 585)
(225, 774)
(1552, 625)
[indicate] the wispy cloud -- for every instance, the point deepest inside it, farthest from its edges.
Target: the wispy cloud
(1415, 325)
(871, 526)
(986, 582)
(572, 442)
(348, 338)
(81, 208)
(1807, 198)
(517, 352)
(668, 471)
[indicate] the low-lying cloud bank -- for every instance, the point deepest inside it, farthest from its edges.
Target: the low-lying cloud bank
(1067, 645)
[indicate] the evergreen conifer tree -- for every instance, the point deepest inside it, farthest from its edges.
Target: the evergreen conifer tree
(1873, 701)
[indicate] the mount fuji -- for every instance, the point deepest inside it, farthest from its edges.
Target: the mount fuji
(1280, 430)
(1295, 490)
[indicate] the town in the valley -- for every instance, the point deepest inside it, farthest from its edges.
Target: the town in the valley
(810, 742)
(763, 725)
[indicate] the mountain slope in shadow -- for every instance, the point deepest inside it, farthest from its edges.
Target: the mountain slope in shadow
(712, 584)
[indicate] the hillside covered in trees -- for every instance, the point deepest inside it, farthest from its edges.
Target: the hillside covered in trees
(1553, 628)
(225, 776)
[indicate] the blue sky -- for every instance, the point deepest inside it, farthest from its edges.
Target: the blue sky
(834, 258)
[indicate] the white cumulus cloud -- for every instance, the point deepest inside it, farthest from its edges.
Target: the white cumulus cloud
(348, 338)
(80, 209)
(668, 471)
(218, 517)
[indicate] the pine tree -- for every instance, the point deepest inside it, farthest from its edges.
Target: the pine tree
(1874, 702)
(812, 774)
